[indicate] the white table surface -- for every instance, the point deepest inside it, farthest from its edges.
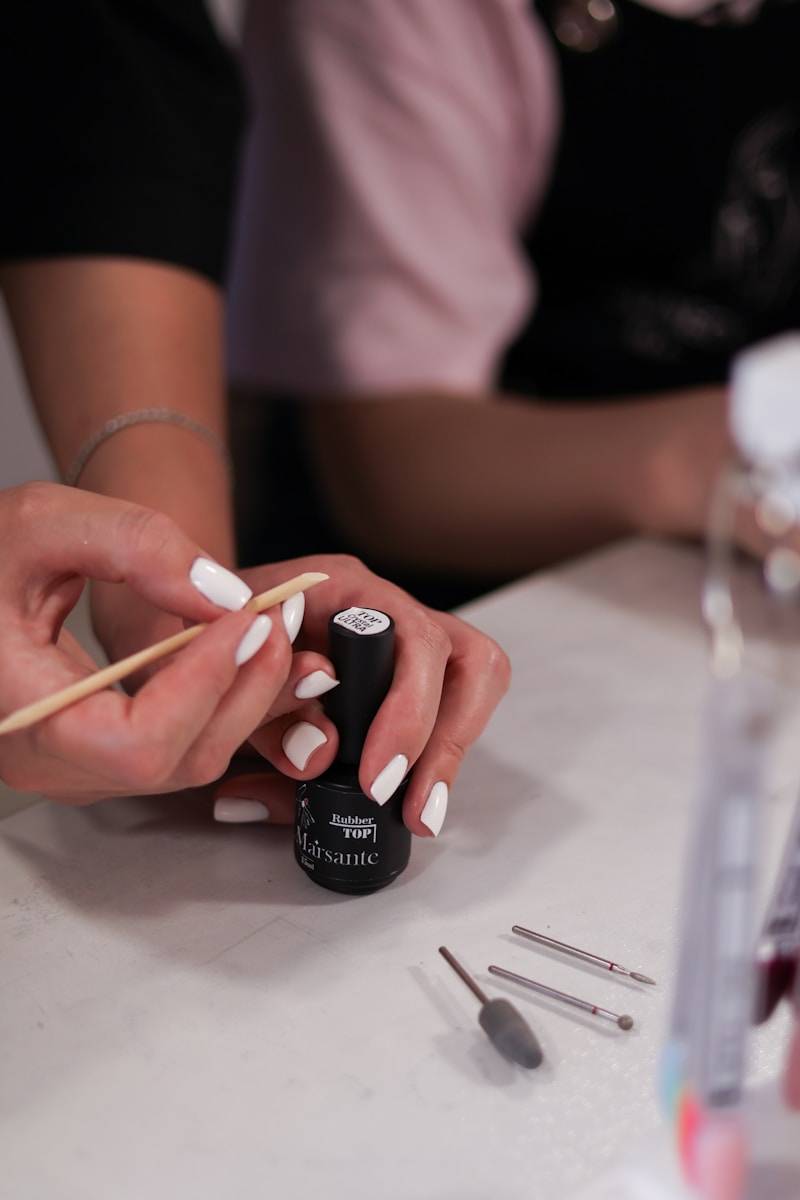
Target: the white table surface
(184, 1014)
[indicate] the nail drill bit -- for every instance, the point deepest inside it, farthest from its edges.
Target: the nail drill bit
(623, 1021)
(583, 954)
(506, 1029)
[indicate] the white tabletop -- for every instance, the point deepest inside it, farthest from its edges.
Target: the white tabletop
(184, 1014)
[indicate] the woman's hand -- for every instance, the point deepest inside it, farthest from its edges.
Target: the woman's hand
(183, 725)
(448, 680)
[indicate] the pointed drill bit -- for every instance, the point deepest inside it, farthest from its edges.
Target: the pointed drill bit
(582, 954)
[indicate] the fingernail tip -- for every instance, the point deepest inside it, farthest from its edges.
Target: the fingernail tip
(316, 684)
(389, 779)
(235, 811)
(299, 744)
(219, 585)
(435, 809)
(293, 610)
(253, 640)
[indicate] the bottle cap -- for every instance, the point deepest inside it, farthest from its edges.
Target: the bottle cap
(361, 648)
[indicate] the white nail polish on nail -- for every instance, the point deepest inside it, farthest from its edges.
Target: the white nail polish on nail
(233, 811)
(435, 809)
(300, 741)
(389, 779)
(219, 585)
(292, 611)
(315, 684)
(254, 639)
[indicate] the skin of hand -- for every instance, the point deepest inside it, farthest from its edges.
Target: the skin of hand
(185, 723)
(448, 680)
(497, 486)
(102, 336)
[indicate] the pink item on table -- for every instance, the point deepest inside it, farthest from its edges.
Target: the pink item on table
(791, 1080)
(720, 1157)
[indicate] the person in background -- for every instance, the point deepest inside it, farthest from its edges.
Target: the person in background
(529, 241)
(121, 137)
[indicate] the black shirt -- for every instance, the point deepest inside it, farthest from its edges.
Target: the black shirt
(121, 129)
(670, 238)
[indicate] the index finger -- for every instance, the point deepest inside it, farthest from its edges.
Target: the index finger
(57, 532)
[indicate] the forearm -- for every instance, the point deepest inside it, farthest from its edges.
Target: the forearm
(503, 486)
(100, 337)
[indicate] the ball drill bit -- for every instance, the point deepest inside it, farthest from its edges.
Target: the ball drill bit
(505, 1028)
(622, 1020)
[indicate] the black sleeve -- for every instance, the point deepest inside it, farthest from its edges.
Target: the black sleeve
(121, 127)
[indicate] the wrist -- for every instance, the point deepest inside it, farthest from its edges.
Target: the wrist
(685, 452)
(164, 467)
(143, 416)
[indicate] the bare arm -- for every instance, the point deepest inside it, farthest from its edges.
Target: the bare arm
(402, 281)
(501, 486)
(101, 337)
(105, 336)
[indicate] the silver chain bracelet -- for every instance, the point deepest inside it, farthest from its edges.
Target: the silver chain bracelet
(143, 416)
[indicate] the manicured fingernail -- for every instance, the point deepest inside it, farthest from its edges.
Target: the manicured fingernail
(233, 811)
(389, 779)
(435, 809)
(254, 639)
(315, 684)
(292, 611)
(300, 741)
(219, 585)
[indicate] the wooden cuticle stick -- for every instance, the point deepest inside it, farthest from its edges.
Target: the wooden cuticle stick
(105, 676)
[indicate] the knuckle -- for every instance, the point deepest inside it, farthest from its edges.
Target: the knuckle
(498, 664)
(453, 747)
(432, 634)
(341, 564)
(208, 763)
(32, 502)
(146, 766)
(348, 563)
(144, 532)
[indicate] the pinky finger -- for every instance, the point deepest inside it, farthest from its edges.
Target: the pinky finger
(255, 796)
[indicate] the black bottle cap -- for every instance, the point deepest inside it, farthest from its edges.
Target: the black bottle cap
(361, 648)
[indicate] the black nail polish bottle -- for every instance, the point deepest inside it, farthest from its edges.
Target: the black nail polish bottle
(343, 839)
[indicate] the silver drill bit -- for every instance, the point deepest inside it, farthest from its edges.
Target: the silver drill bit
(583, 954)
(624, 1021)
(506, 1029)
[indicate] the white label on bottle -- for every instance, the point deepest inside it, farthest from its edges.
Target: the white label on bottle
(362, 620)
